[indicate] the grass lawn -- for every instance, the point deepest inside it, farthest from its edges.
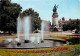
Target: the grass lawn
(2, 37)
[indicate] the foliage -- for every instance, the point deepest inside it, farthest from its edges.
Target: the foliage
(72, 25)
(8, 16)
(35, 21)
(73, 40)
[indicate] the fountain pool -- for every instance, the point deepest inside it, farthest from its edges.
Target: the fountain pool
(27, 41)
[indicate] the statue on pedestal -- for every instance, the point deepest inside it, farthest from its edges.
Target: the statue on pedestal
(55, 23)
(55, 8)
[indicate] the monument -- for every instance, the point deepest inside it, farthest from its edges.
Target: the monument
(55, 23)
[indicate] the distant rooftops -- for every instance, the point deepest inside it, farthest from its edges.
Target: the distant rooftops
(70, 20)
(67, 21)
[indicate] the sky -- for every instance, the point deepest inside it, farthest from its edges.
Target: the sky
(66, 8)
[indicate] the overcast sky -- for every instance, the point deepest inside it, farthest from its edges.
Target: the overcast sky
(67, 8)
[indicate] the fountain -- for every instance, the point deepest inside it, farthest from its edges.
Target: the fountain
(18, 31)
(42, 30)
(26, 40)
(26, 27)
(34, 41)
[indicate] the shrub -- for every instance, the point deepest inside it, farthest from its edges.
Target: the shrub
(73, 40)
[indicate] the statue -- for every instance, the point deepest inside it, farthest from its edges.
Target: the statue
(55, 8)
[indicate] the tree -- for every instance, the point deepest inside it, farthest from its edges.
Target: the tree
(74, 24)
(63, 18)
(8, 16)
(35, 21)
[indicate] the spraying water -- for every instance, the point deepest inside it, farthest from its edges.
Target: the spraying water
(18, 28)
(17, 39)
(42, 29)
(9, 39)
(26, 22)
(32, 39)
(26, 27)
(38, 39)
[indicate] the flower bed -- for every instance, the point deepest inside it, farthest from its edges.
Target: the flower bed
(32, 51)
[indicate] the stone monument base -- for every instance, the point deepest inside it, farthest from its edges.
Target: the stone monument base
(57, 29)
(60, 29)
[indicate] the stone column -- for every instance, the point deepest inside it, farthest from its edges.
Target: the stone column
(55, 20)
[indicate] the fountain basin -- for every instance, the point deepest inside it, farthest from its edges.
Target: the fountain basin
(47, 43)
